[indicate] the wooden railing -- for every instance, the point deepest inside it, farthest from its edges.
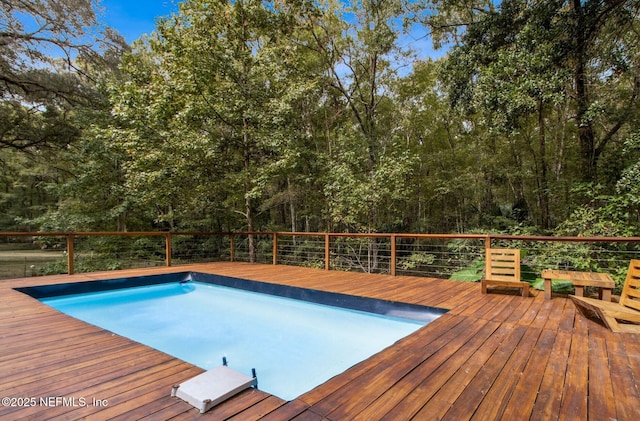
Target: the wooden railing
(391, 253)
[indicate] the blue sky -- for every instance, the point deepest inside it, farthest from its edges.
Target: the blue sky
(132, 18)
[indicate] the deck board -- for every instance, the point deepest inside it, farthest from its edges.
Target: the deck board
(529, 382)
(455, 385)
(624, 377)
(493, 356)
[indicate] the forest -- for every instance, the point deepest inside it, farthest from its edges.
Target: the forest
(323, 115)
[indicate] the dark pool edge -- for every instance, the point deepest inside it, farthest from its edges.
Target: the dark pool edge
(352, 302)
(372, 305)
(83, 287)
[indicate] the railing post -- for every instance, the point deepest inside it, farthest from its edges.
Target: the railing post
(231, 248)
(70, 268)
(327, 252)
(393, 255)
(487, 243)
(275, 248)
(167, 248)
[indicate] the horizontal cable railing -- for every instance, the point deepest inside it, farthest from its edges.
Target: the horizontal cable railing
(451, 256)
(438, 257)
(300, 249)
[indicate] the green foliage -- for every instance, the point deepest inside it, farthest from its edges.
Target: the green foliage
(475, 272)
(472, 273)
(562, 287)
(208, 108)
(49, 57)
(300, 115)
(604, 214)
(415, 260)
(84, 265)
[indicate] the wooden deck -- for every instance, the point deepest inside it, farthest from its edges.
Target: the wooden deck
(493, 356)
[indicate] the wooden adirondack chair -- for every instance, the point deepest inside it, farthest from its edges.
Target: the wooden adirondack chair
(627, 310)
(502, 269)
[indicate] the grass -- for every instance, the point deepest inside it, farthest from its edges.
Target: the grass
(23, 263)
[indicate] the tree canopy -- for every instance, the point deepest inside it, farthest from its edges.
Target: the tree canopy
(50, 52)
(317, 115)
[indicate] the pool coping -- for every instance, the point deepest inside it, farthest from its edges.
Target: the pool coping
(382, 307)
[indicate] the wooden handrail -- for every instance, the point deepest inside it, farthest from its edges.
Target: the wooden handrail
(319, 234)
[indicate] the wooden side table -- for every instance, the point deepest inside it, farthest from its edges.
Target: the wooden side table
(602, 281)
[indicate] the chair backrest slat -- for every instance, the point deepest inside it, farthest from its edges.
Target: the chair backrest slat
(630, 296)
(502, 265)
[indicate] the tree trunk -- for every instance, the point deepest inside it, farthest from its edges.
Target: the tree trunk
(292, 207)
(247, 188)
(252, 241)
(586, 135)
(543, 185)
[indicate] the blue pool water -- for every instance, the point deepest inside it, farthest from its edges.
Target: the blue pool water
(293, 345)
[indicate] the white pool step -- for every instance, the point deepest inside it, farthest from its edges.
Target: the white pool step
(212, 387)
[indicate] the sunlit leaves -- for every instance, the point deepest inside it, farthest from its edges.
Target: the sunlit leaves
(209, 101)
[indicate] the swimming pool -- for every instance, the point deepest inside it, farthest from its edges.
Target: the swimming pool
(291, 336)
